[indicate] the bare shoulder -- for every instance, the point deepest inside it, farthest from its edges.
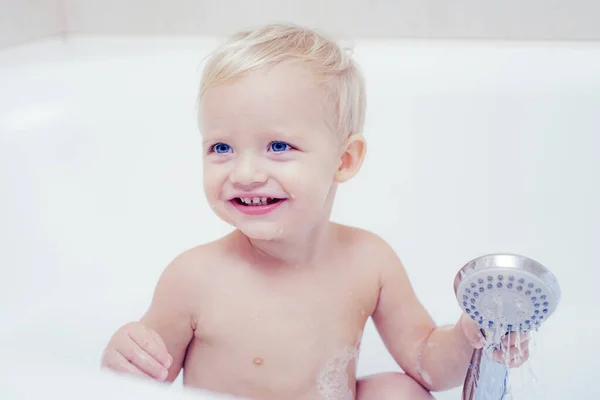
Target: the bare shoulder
(189, 267)
(184, 279)
(364, 240)
(178, 290)
(371, 248)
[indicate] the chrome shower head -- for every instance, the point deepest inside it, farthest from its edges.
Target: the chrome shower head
(502, 293)
(506, 292)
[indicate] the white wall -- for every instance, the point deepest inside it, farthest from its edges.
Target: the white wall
(508, 19)
(25, 20)
(22, 20)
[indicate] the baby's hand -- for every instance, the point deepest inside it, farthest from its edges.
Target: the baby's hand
(139, 350)
(513, 356)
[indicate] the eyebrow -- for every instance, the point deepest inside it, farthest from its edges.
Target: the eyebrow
(285, 134)
(273, 134)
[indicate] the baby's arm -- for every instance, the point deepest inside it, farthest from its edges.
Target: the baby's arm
(155, 346)
(171, 313)
(436, 357)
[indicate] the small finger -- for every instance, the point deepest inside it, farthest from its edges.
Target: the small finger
(515, 348)
(511, 357)
(518, 361)
(476, 338)
(513, 338)
(152, 343)
(163, 356)
(117, 362)
(471, 330)
(144, 361)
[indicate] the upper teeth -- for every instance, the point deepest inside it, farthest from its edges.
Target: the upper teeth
(254, 200)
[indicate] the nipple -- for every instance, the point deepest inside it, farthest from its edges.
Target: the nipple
(258, 361)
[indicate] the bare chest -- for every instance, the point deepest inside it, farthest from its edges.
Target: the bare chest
(279, 335)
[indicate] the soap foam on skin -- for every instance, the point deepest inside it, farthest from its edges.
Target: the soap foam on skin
(332, 382)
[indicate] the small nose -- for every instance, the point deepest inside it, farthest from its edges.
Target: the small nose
(247, 171)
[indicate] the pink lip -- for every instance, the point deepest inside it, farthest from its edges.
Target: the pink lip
(257, 210)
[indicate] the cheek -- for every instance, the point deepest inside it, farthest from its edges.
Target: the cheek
(211, 181)
(309, 179)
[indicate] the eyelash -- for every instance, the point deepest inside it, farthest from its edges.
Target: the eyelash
(211, 149)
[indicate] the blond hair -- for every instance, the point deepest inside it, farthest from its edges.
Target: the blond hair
(334, 67)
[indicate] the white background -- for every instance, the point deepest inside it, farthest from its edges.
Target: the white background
(22, 20)
(474, 147)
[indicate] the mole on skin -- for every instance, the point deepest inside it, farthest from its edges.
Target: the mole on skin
(258, 361)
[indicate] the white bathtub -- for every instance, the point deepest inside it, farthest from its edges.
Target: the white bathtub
(474, 147)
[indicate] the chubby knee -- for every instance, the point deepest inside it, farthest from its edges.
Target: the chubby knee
(391, 385)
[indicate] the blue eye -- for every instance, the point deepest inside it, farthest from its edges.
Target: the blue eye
(221, 148)
(279, 146)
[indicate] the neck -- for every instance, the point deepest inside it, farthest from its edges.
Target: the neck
(302, 249)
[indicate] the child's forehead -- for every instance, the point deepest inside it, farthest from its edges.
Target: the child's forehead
(273, 93)
(286, 78)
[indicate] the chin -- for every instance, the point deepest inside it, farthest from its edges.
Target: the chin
(260, 230)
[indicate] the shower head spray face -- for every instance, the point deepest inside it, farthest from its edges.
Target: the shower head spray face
(506, 292)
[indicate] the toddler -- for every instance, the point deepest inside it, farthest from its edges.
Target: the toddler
(276, 309)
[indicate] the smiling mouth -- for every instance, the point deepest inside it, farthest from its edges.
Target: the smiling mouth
(256, 201)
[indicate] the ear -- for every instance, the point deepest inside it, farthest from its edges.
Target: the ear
(352, 157)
